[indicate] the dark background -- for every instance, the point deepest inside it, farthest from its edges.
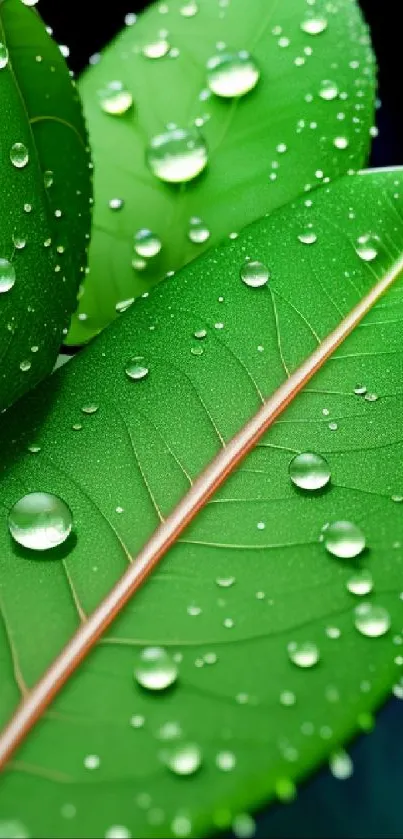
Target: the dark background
(370, 804)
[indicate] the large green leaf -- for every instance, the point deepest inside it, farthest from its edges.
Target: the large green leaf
(121, 469)
(264, 148)
(45, 212)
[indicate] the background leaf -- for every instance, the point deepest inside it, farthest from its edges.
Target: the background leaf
(264, 148)
(124, 465)
(44, 230)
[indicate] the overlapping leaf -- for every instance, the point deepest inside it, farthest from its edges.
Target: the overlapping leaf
(45, 193)
(307, 120)
(123, 467)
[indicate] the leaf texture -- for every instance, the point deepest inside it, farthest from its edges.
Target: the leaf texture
(125, 469)
(44, 229)
(307, 120)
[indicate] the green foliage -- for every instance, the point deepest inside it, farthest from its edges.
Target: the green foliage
(129, 462)
(265, 148)
(45, 212)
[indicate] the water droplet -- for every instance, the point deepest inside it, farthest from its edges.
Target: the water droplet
(146, 243)
(367, 247)
(244, 826)
(91, 408)
(371, 620)
(137, 721)
(285, 789)
(226, 761)
(333, 632)
(360, 390)
(304, 654)
(13, 829)
(40, 521)
(200, 334)
(136, 371)
(3, 56)
(184, 759)
(155, 669)
(116, 203)
(48, 178)
(124, 305)
(344, 539)
(118, 831)
(19, 155)
(19, 242)
(360, 583)
(314, 25)
(170, 731)
(231, 75)
(287, 698)
(115, 99)
(198, 233)
(189, 9)
(371, 397)
(25, 365)
(254, 273)
(308, 237)
(181, 825)
(309, 471)
(328, 90)
(341, 765)
(177, 156)
(92, 761)
(156, 49)
(340, 142)
(397, 690)
(7, 275)
(225, 582)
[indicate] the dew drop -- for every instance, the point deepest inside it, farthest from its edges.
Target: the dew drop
(314, 25)
(340, 142)
(231, 75)
(118, 831)
(308, 237)
(184, 759)
(116, 203)
(309, 471)
(287, 698)
(156, 49)
(344, 539)
(254, 273)
(200, 334)
(155, 669)
(19, 155)
(198, 232)
(178, 155)
(136, 371)
(115, 99)
(360, 583)
(137, 721)
(7, 275)
(304, 654)
(244, 826)
(91, 408)
(226, 761)
(367, 247)
(92, 761)
(189, 9)
(3, 56)
(225, 582)
(40, 521)
(370, 620)
(181, 825)
(328, 90)
(25, 365)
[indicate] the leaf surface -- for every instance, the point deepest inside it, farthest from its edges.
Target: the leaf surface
(45, 211)
(264, 148)
(125, 466)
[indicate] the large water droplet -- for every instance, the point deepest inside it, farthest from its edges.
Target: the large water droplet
(360, 583)
(40, 521)
(344, 539)
(231, 75)
(254, 273)
(198, 232)
(184, 759)
(156, 49)
(341, 765)
(328, 90)
(3, 56)
(303, 654)
(309, 471)
(314, 25)
(7, 275)
(146, 243)
(135, 370)
(371, 620)
(367, 247)
(19, 155)
(155, 669)
(178, 155)
(115, 99)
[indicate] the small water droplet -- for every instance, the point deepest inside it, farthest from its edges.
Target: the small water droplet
(254, 273)
(115, 99)
(303, 654)
(184, 759)
(92, 761)
(285, 789)
(226, 761)
(91, 408)
(146, 243)
(360, 583)
(19, 155)
(314, 25)
(178, 155)
(308, 237)
(19, 242)
(189, 9)
(155, 669)
(225, 582)
(367, 247)
(156, 49)
(309, 471)
(371, 397)
(244, 826)
(371, 620)
(200, 334)
(7, 275)
(137, 721)
(3, 56)
(40, 521)
(198, 232)
(232, 75)
(328, 90)
(333, 632)
(181, 825)
(118, 831)
(287, 698)
(360, 390)
(340, 142)
(25, 365)
(136, 371)
(48, 178)
(116, 203)
(341, 765)
(344, 539)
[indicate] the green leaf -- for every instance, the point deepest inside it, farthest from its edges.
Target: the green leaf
(265, 148)
(45, 211)
(123, 467)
